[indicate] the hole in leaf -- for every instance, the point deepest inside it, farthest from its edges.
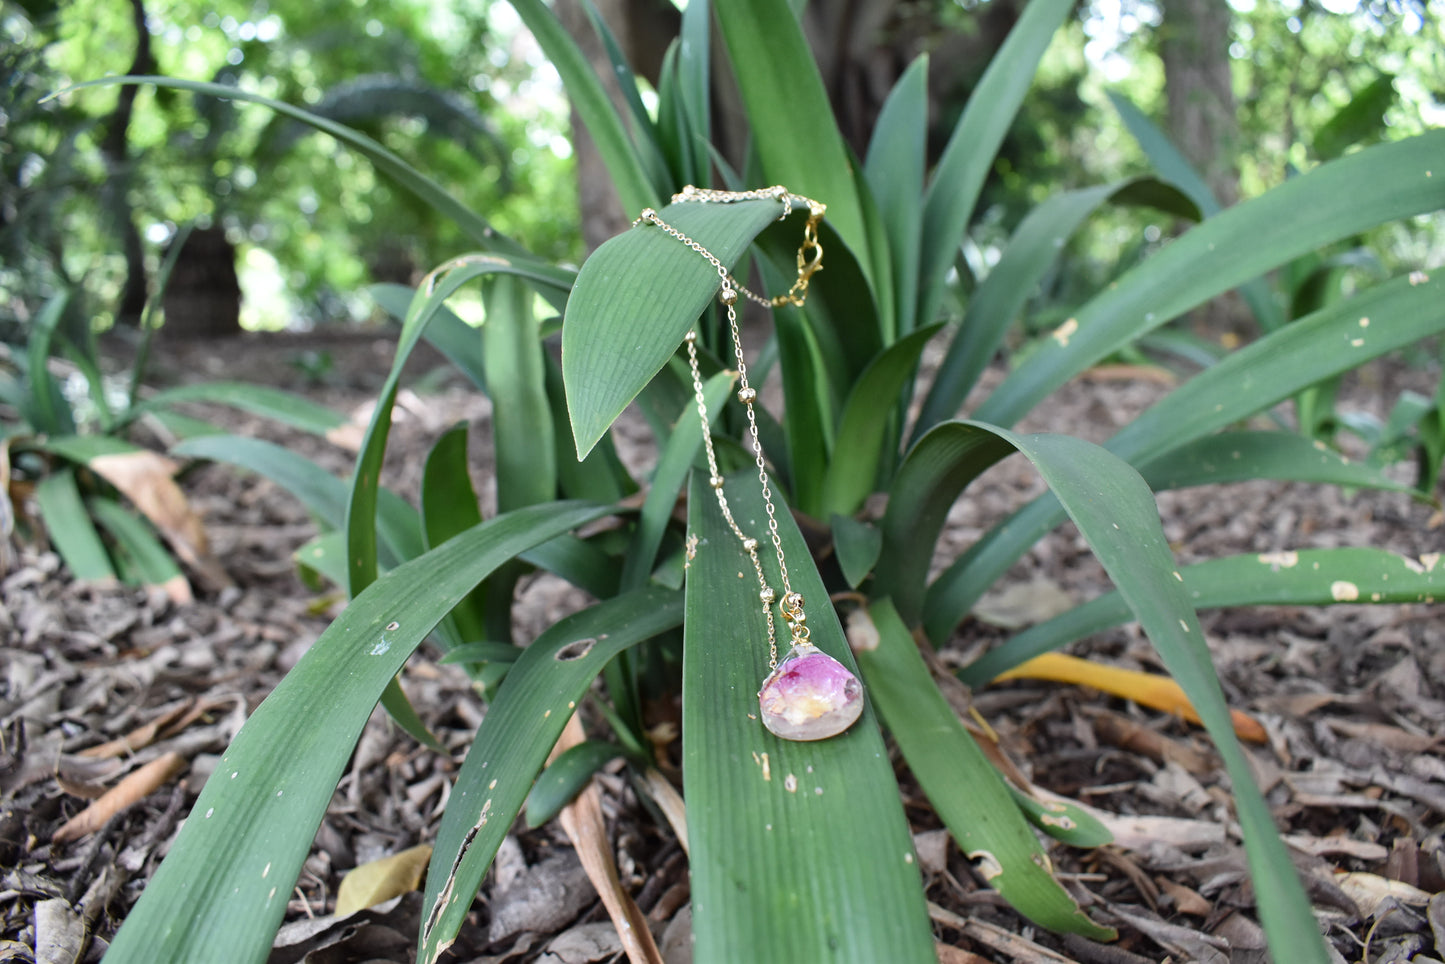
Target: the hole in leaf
(575, 650)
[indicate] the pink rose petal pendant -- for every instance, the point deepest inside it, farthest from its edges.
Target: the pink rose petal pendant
(810, 696)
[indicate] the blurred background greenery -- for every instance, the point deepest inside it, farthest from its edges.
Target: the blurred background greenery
(94, 184)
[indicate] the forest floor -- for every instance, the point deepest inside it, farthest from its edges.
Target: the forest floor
(1352, 698)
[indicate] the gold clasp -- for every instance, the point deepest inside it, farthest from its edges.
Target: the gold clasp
(810, 262)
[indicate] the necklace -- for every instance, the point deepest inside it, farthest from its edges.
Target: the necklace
(807, 695)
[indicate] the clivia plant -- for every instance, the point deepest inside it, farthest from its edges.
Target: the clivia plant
(799, 850)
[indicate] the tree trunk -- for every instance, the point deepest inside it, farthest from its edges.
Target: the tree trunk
(114, 146)
(643, 29)
(1194, 45)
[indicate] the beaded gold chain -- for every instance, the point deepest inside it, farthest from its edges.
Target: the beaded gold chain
(808, 695)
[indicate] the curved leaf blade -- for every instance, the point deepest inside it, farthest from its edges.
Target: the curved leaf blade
(635, 298)
(1374, 186)
(522, 724)
(281, 406)
(1250, 380)
(1116, 514)
(868, 414)
(957, 179)
(966, 791)
(793, 128)
(429, 191)
(1307, 577)
(1034, 247)
(592, 104)
(225, 882)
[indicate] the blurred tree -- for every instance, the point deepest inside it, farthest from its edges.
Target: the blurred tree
(1194, 40)
(463, 97)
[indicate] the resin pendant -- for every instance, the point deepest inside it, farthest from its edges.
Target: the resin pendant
(810, 696)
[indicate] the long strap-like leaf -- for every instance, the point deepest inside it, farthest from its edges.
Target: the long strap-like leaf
(225, 882)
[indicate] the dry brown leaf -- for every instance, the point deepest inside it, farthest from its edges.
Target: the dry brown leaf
(1015, 947)
(1347, 846)
(582, 821)
(1187, 900)
(147, 479)
(135, 787)
(1369, 891)
(1391, 737)
(141, 736)
(670, 802)
(380, 880)
(1127, 734)
(948, 954)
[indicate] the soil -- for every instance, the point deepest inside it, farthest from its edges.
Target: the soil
(1351, 698)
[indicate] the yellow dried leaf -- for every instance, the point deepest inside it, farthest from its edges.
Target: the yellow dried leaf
(381, 880)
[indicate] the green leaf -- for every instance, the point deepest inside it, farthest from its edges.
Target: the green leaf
(449, 506)
(635, 298)
(48, 413)
(322, 493)
(793, 131)
(857, 545)
(362, 503)
(646, 150)
(1115, 512)
(565, 777)
(1174, 167)
(428, 191)
(151, 562)
(601, 476)
(673, 464)
(867, 416)
(1240, 456)
(1361, 119)
(798, 849)
(227, 877)
(894, 170)
(694, 80)
(273, 403)
(593, 106)
(935, 471)
(520, 728)
(809, 419)
(324, 557)
(1371, 187)
(460, 342)
(1066, 822)
(516, 382)
(1034, 248)
(1308, 577)
(965, 790)
(1248, 381)
(957, 179)
(70, 529)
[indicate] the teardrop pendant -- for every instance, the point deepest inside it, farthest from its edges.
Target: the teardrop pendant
(810, 696)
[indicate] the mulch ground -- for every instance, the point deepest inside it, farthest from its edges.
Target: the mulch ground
(1352, 698)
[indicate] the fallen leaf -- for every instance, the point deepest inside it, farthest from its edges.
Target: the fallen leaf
(380, 880)
(582, 821)
(1369, 891)
(1186, 899)
(147, 479)
(141, 736)
(136, 786)
(1147, 689)
(1023, 604)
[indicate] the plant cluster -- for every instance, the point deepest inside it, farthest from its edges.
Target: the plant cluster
(769, 877)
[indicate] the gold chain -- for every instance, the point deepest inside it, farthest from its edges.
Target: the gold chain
(810, 262)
